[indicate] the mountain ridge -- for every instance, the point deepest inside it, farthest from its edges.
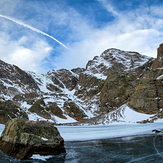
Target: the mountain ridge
(64, 96)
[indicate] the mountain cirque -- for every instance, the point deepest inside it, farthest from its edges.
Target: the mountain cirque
(85, 95)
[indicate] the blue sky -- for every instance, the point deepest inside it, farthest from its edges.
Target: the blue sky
(86, 27)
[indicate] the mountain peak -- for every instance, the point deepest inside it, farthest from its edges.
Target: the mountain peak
(119, 61)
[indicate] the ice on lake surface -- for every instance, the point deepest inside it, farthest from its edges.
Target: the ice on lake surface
(82, 133)
(112, 149)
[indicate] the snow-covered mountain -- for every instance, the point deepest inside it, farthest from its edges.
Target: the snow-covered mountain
(109, 82)
(120, 61)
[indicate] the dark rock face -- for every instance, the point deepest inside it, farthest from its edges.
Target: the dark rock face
(46, 111)
(40, 108)
(145, 97)
(148, 95)
(158, 63)
(63, 78)
(55, 110)
(78, 70)
(74, 111)
(9, 110)
(89, 85)
(17, 76)
(22, 138)
(117, 90)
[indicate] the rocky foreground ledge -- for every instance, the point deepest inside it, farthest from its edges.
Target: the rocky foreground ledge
(22, 138)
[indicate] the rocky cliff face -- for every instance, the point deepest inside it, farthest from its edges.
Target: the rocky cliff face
(14, 81)
(148, 95)
(115, 78)
(117, 91)
(158, 63)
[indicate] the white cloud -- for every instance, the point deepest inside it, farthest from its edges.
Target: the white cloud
(26, 58)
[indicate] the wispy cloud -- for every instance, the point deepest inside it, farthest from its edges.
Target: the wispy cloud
(33, 29)
(109, 7)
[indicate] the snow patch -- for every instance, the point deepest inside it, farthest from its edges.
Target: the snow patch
(35, 117)
(43, 158)
(61, 120)
(2, 127)
(125, 114)
(25, 105)
(160, 77)
(45, 139)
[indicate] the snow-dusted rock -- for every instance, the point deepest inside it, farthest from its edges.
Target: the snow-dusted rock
(112, 60)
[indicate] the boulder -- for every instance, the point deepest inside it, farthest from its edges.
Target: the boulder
(22, 138)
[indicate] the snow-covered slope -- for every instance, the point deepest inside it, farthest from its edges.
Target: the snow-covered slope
(125, 114)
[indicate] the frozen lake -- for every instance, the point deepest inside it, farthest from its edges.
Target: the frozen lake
(118, 143)
(82, 133)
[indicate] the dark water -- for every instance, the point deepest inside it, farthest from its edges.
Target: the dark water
(145, 149)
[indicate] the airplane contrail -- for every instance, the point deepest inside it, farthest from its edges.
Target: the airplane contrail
(33, 29)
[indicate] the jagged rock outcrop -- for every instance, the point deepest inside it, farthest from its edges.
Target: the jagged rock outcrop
(88, 86)
(45, 111)
(115, 60)
(91, 81)
(22, 138)
(13, 75)
(63, 78)
(55, 110)
(40, 108)
(29, 98)
(9, 110)
(78, 70)
(145, 98)
(148, 95)
(74, 111)
(117, 90)
(158, 63)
